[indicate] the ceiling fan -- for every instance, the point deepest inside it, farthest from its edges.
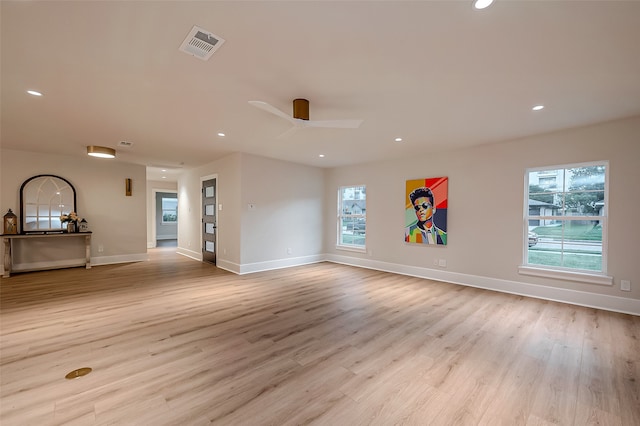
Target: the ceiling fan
(300, 118)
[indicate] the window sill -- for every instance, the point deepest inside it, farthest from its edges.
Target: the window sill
(356, 249)
(587, 278)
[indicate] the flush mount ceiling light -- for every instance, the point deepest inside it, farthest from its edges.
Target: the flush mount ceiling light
(482, 4)
(101, 151)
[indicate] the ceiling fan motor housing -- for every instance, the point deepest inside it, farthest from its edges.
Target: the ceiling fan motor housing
(301, 109)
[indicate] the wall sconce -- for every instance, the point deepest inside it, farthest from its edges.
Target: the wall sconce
(101, 151)
(127, 187)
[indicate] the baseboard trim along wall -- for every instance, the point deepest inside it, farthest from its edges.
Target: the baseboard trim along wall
(189, 253)
(73, 263)
(572, 297)
(41, 266)
(249, 268)
(124, 258)
(228, 266)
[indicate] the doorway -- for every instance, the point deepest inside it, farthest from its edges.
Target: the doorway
(166, 219)
(209, 222)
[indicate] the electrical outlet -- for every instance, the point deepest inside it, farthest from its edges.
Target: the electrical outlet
(289, 251)
(442, 263)
(625, 285)
(435, 262)
(100, 248)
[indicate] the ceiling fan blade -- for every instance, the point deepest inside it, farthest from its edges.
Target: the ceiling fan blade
(273, 110)
(289, 132)
(336, 124)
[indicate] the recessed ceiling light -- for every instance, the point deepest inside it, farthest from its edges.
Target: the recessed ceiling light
(482, 4)
(537, 107)
(398, 139)
(34, 93)
(164, 177)
(321, 155)
(164, 170)
(222, 135)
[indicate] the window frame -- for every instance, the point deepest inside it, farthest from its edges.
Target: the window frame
(340, 216)
(564, 272)
(163, 210)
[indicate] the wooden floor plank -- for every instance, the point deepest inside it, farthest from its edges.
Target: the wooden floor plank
(173, 341)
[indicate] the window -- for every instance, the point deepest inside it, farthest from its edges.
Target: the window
(352, 216)
(566, 220)
(169, 210)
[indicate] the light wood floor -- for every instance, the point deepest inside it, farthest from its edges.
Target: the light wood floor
(173, 341)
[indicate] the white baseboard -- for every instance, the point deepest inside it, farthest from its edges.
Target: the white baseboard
(249, 268)
(122, 258)
(220, 263)
(573, 297)
(228, 266)
(72, 263)
(40, 266)
(196, 255)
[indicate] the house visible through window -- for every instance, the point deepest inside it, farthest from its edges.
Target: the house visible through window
(169, 210)
(566, 218)
(352, 216)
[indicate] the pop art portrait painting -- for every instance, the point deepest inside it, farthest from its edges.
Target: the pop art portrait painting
(426, 203)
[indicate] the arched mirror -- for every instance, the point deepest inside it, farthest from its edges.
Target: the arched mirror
(43, 199)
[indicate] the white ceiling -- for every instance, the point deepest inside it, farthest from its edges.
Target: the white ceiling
(439, 74)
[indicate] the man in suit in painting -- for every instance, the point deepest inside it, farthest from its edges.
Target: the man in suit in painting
(424, 230)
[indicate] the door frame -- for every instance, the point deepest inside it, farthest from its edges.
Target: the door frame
(154, 195)
(202, 179)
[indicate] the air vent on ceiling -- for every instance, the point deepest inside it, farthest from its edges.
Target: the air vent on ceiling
(201, 43)
(125, 144)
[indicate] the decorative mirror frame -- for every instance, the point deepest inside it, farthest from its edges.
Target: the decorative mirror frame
(59, 183)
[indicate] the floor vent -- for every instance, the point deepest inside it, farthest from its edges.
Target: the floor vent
(78, 373)
(201, 43)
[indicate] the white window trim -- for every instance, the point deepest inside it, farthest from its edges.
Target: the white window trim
(547, 272)
(164, 222)
(347, 247)
(578, 275)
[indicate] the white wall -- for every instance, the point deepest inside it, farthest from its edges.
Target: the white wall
(284, 227)
(227, 171)
(288, 213)
(118, 222)
(295, 208)
(485, 211)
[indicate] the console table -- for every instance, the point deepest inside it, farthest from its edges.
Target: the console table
(53, 237)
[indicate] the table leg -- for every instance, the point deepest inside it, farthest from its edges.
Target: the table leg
(7, 258)
(87, 245)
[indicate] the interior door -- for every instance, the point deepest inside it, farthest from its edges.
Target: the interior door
(209, 221)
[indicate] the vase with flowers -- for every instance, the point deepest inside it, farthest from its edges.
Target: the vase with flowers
(71, 220)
